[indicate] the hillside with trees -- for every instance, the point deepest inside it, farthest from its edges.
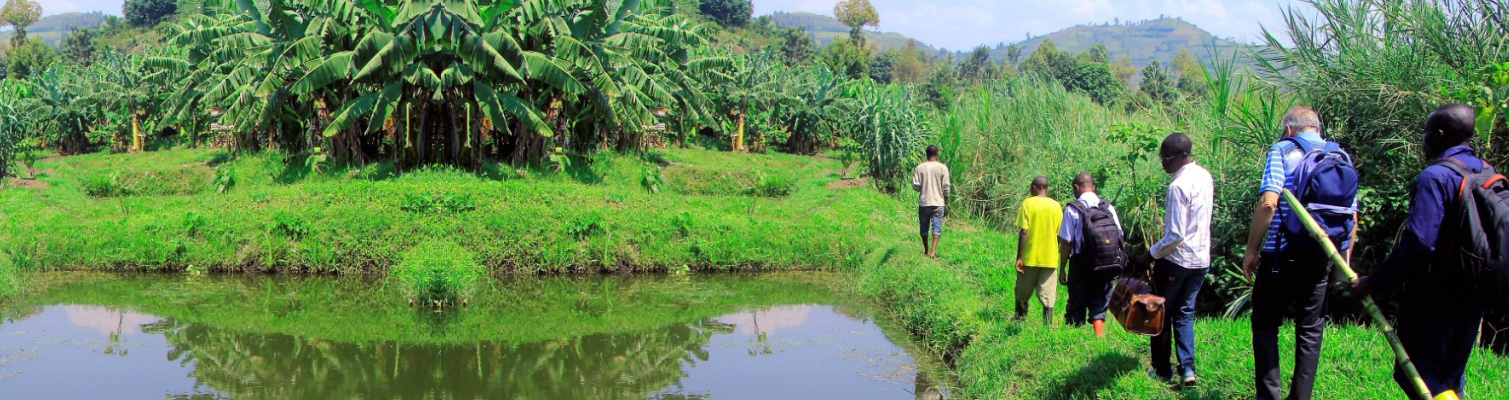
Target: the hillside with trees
(825, 29)
(1141, 42)
(53, 28)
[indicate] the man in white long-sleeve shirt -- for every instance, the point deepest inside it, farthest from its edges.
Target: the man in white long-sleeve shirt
(930, 180)
(1182, 257)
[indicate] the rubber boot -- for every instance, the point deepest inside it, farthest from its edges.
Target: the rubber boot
(1100, 328)
(1047, 316)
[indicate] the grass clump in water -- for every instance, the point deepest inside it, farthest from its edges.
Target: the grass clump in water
(438, 272)
(10, 277)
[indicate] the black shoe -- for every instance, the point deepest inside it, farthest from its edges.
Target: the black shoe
(1189, 378)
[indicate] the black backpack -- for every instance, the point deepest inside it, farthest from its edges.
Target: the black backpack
(1326, 183)
(1474, 238)
(1101, 246)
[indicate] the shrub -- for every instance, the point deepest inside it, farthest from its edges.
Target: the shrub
(288, 225)
(438, 272)
(728, 12)
(147, 12)
(586, 225)
(438, 203)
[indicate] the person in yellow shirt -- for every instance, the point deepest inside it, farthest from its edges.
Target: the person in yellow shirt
(1037, 250)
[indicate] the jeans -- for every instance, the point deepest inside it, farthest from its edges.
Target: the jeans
(1282, 282)
(1089, 294)
(1179, 286)
(930, 218)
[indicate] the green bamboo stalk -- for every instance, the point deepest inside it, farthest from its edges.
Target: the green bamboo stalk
(1344, 271)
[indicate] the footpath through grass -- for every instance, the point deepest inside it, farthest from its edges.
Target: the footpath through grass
(713, 212)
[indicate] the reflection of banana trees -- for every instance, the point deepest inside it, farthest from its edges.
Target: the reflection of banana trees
(279, 366)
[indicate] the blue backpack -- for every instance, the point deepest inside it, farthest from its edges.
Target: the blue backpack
(1326, 183)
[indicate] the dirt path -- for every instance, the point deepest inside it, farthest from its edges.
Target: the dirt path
(26, 183)
(849, 183)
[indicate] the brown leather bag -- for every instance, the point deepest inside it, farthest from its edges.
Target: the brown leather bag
(1136, 307)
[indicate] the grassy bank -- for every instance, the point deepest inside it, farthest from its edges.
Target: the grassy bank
(713, 211)
(106, 212)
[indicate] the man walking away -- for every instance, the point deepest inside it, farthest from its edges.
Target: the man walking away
(930, 180)
(1092, 249)
(1438, 322)
(1182, 256)
(1291, 268)
(1037, 250)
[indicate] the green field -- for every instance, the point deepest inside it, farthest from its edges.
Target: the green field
(708, 216)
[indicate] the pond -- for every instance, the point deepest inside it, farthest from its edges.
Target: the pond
(728, 336)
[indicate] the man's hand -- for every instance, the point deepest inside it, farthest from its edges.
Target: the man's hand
(1020, 267)
(1145, 259)
(1063, 276)
(1250, 263)
(1360, 286)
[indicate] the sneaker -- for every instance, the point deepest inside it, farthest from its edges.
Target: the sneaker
(1153, 373)
(1189, 378)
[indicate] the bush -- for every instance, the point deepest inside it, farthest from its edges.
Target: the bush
(438, 203)
(728, 12)
(438, 272)
(29, 59)
(147, 12)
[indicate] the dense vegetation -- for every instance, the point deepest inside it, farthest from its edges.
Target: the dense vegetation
(317, 127)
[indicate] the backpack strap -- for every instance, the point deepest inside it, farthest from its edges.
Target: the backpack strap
(1335, 148)
(1304, 147)
(1458, 167)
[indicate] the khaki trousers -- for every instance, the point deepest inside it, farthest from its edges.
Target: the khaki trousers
(1042, 280)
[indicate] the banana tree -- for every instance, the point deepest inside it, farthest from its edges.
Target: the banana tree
(753, 85)
(56, 103)
(815, 116)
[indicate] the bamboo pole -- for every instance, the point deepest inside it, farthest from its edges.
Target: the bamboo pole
(1344, 271)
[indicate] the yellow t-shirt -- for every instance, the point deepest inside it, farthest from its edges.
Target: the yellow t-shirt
(1040, 216)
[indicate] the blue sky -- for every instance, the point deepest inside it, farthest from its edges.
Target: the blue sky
(962, 24)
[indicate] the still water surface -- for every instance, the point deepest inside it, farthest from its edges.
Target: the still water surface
(762, 337)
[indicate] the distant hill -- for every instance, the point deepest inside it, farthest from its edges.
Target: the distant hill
(1143, 41)
(52, 28)
(826, 29)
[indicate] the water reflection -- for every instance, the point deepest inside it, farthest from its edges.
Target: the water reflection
(792, 351)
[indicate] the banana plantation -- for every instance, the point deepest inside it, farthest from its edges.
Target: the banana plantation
(420, 82)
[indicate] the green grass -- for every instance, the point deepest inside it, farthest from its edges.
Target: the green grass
(600, 216)
(10, 277)
(350, 220)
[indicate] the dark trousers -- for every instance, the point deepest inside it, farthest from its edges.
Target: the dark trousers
(1089, 294)
(1283, 282)
(1179, 286)
(1438, 329)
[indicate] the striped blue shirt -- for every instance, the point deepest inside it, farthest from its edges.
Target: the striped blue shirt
(1283, 157)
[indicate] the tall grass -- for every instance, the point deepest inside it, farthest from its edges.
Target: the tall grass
(1374, 69)
(1005, 133)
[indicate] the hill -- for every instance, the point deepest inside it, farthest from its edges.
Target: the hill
(826, 29)
(1143, 41)
(52, 28)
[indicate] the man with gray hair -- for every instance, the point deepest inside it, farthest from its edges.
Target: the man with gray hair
(1285, 273)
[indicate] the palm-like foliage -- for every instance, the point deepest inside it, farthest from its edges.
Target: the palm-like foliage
(815, 119)
(418, 76)
(755, 85)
